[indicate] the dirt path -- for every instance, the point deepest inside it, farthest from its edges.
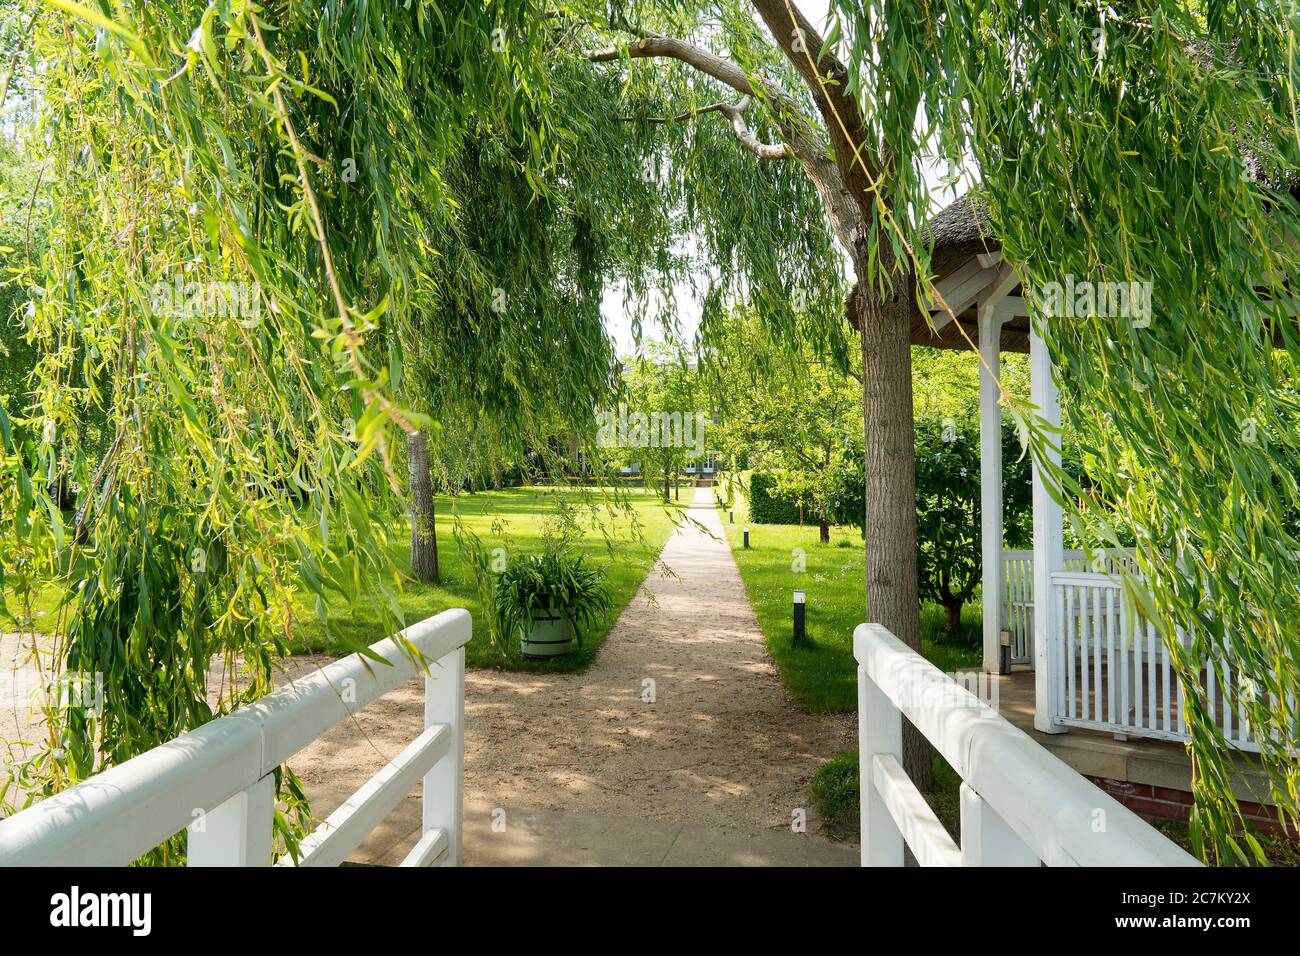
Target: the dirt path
(719, 746)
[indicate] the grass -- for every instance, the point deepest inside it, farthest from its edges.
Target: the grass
(834, 791)
(514, 519)
(822, 676)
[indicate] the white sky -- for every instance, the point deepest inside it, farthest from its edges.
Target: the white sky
(614, 307)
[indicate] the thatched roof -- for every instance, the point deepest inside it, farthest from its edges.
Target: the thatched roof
(958, 232)
(962, 228)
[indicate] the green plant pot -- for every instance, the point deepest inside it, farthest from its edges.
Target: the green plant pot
(551, 636)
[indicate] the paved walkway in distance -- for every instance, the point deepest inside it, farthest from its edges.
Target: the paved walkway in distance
(581, 769)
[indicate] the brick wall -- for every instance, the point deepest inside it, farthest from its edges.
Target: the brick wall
(1162, 803)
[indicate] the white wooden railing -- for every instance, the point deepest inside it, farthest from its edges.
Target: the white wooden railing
(1018, 590)
(216, 781)
(1114, 673)
(1019, 804)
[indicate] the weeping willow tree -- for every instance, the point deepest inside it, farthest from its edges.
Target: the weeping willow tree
(1158, 145)
(1162, 146)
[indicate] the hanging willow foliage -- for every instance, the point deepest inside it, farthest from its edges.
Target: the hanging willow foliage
(1158, 145)
(243, 199)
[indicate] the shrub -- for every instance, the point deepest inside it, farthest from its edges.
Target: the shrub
(766, 507)
(834, 792)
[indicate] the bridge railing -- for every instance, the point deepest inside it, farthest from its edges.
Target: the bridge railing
(216, 782)
(1020, 805)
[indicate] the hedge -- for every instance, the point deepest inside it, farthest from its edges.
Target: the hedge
(767, 508)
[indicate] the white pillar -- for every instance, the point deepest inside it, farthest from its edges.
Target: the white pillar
(880, 731)
(1049, 545)
(990, 333)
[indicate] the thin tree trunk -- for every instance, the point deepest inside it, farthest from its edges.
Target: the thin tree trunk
(952, 616)
(890, 492)
(667, 496)
(823, 531)
(424, 531)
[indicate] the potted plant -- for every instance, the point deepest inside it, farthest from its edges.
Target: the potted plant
(546, 599)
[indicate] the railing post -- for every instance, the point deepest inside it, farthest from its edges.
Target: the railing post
(237, 832)
(880, 731)
(986, 840)
(444, 785)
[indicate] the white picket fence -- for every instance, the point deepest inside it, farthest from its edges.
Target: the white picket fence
(1114, 673)
(1019, 804)
(1018, 591)
(216, 783)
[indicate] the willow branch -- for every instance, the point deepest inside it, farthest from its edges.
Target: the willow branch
(735, 113)
(789, 116)
(804, 140)
(350, 337)
(18, 52)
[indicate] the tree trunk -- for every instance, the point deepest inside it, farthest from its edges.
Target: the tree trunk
(952, 616)
(677, 488)
(890, 492)
(667, 495)
(424, 532)
(823, 531)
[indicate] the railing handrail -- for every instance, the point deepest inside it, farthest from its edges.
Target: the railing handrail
(1062, 818)
(1070, 553)
(1088, 579)
(122, 813)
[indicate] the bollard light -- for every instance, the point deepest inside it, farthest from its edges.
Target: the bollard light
(800, 600)
(731, 515)
(1004, 653)
(747, 536)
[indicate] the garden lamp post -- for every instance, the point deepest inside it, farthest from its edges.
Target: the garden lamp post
(800, 602)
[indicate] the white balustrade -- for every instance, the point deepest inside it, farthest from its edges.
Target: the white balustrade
(1020, 805)
(216, 781)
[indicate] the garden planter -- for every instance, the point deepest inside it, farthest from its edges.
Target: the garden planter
(551, 636)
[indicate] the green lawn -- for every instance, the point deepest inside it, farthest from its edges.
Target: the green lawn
(822, 678)
(513, 519)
